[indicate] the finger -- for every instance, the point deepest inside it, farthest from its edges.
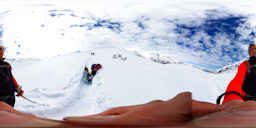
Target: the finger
(233, 103)
(203, 108)
(94, 120)
(12, 120)
(117, 110)
(8, 108)
(174, 112)
(239, 117)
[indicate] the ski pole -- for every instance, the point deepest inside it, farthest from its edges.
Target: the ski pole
(29, 100)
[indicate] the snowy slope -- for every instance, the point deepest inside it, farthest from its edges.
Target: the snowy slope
(124, 80)
(149, 50)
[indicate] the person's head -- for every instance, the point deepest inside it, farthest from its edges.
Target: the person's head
(1, 51)
(252, 50)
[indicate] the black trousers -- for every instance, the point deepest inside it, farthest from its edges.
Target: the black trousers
(8, 99)
(94, 72)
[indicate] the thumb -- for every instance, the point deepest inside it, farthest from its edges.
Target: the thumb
(94, 120)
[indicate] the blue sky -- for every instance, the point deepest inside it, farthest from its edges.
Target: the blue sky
(209, 38)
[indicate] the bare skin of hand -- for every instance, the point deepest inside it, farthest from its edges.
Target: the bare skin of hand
(11, 118)
(174, 112)
(7, 108)
(180, 111)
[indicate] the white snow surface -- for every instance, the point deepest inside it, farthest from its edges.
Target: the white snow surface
(48, 53)
(56, 82)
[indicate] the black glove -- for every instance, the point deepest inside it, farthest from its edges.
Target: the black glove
(19, 91)
(252, 60)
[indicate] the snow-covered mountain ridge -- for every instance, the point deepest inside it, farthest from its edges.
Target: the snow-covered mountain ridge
(125, 79)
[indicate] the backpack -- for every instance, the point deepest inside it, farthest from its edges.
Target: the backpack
(7, 85)
(249, 83)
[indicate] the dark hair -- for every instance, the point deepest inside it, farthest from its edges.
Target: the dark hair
(250, 47)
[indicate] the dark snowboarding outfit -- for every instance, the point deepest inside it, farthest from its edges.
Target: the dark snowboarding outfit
(8, 84)
(94, 69)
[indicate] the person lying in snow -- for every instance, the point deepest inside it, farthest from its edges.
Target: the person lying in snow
(94, 69)
(180, 111)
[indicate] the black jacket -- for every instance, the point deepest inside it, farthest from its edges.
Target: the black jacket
(7, 84)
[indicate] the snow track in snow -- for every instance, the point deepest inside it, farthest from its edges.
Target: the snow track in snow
(65, 101)
(57, 83)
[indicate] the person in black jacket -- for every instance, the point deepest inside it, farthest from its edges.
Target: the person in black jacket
(8, 84)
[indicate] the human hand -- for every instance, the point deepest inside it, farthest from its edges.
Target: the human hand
(235, 113)
(19, 91)
(11, 118)
(173, 112)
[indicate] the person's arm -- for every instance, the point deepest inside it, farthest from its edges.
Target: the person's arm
(18, 87)
(236, 84)
(15, 82)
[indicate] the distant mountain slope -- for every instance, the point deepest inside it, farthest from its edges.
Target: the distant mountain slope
(125, 79)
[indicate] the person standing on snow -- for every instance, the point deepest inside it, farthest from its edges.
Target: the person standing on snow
(8, 84)
(243, 86)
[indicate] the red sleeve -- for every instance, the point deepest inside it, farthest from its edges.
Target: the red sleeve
(236, 83)
(15, 82)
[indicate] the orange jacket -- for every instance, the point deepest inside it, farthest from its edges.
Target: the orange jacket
(236, 83)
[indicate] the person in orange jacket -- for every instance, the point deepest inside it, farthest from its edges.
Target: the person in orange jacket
(236, 88)
(8, 84)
